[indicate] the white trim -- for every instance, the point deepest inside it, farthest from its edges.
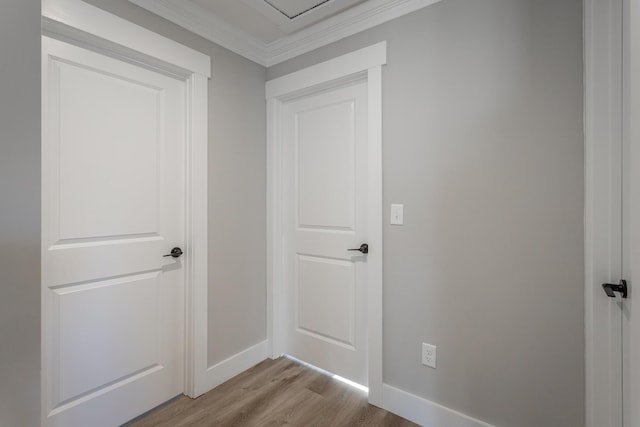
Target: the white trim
(363, 64)
(374, 234)
(631, 113)
(236, 364)
(80, 23)
(354, 20)
(333, 69)
(275, 229)
(425, 412)
(201, 22)
(603, 209)
(98, 23)
(197, 241)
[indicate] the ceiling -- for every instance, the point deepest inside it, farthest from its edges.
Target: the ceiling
(270, 20)
(272, 31)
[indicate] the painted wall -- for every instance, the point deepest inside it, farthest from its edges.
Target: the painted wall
(237, 230)
(20, 213)
(483, 143)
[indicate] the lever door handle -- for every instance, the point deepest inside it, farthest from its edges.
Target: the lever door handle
(175, 253)
(610, 289)
(364, 248)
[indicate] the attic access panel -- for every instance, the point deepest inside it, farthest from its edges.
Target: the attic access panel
(294, 15)
(294, 8)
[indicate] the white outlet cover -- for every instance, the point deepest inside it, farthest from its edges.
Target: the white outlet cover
(429, 355)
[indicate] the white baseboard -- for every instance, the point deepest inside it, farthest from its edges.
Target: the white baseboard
(424, 412)
(414, 408)
(236, 364)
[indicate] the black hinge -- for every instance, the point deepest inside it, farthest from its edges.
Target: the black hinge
(611, 288)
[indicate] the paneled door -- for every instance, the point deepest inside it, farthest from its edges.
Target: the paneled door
(325, 199)
(113, 206)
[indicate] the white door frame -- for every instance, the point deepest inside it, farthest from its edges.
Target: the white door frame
(363, 65)
(79, 23)
(603, 68)
(631, 43)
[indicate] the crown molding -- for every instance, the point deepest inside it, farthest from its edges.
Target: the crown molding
(201, 22)
(351, 21)
(359, 18)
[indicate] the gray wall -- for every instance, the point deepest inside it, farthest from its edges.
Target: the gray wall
(237, 230)
(483, 144)
(20, 213)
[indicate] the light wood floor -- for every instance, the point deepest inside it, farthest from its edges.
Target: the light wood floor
(274, 393)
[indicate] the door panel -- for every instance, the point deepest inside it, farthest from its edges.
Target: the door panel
(120, 345)
(326, 145)
(89, 146)
(325, 151)
(323, 283)
(113, 200)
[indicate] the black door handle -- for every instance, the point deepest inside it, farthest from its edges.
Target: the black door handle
(175, 252)
(611, 288)
(364, 248)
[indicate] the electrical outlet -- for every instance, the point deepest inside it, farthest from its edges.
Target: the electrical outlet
(429, 355)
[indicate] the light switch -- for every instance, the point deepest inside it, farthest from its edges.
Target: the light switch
(397, 214)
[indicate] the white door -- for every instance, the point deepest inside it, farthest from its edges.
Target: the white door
(112, 206)
(631, 217)
(325, 198)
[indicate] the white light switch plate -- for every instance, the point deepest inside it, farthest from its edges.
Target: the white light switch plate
(397, 214)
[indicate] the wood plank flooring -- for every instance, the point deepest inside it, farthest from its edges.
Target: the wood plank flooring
(274, 393)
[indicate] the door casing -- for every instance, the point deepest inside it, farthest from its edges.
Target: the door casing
(631, 210)
(361, 65)
(603, 112)
(76, 22)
